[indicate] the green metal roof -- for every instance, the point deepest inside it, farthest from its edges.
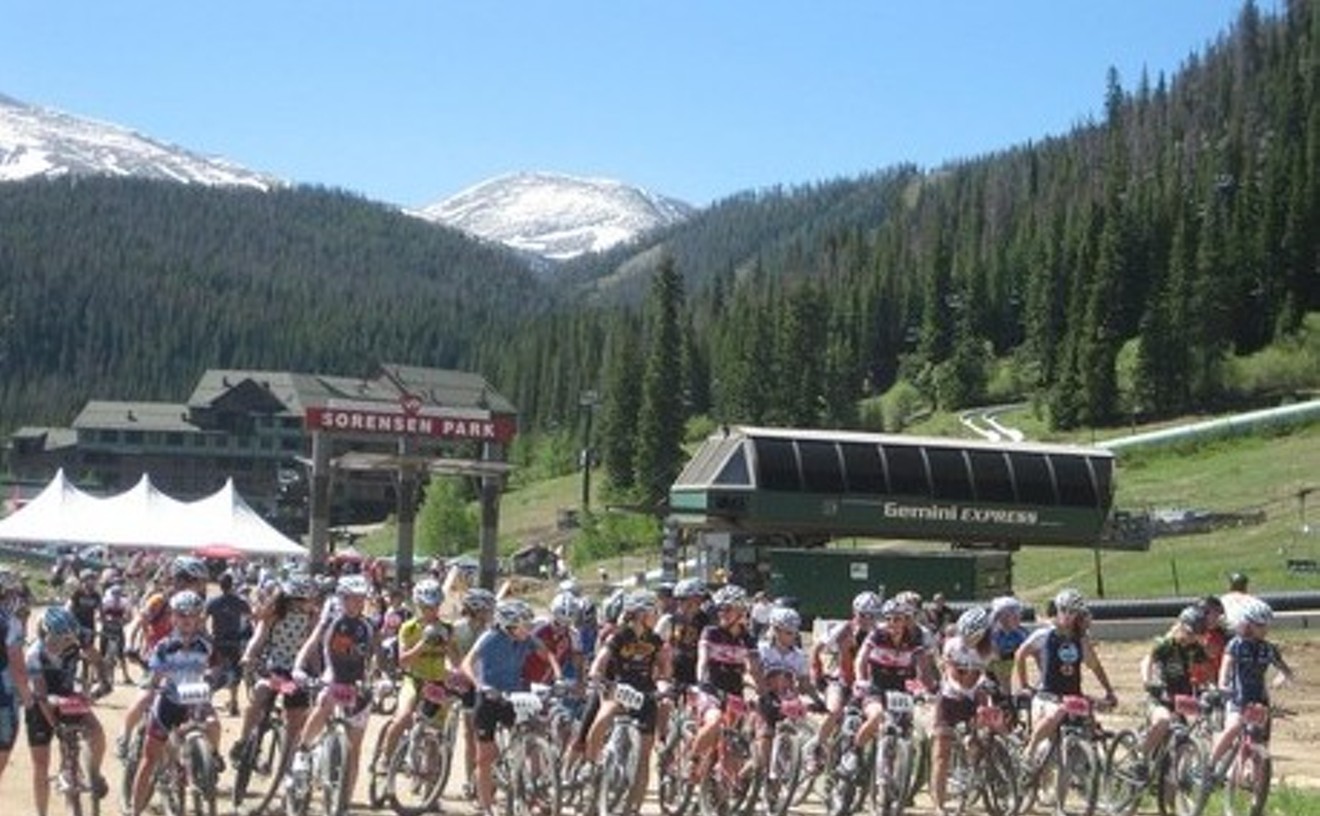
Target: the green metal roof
(135, 416)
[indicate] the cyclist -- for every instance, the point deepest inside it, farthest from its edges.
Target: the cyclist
(727, 660)
(230, 619)
(273, 651)
(1247, 659)
(157, 622)
(1170, 669)
(1061, 649)
(897, 651)
(963, 661)
(784, 674)
(116, 614)
(495, 665)
(477, 608)
(1006, 634)
(52, 664)
(634, 655)
(427, 654)
(561, 638)
(345, 644)
(15, 690)
(185, 656)
(85, 604)
(834, 661)
(681, 629)
(1215, 641)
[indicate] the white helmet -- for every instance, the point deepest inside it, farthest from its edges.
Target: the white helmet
(511, 613)
(867, 603)
(427, 592)
(973, 624)
(1005, 605)
(355, 585)
(1069, 600)
(1257, 612)
(563, 608)
(786, 619)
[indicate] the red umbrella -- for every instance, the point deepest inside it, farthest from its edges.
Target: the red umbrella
(222, 552)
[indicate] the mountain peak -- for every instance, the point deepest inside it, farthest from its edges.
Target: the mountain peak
(42, 142)
(555, 215)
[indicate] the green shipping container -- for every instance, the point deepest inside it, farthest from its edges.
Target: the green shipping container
(825, 581)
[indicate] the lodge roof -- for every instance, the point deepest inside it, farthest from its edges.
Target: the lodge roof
(135, 416)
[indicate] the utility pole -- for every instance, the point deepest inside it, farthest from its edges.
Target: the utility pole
(587, 402)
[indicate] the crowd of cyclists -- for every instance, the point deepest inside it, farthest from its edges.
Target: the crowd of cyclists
(711, 658)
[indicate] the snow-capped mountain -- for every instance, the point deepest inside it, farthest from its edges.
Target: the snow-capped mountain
(36, 141)
(556, 216)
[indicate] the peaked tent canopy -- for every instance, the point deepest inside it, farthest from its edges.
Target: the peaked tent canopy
(144, 517)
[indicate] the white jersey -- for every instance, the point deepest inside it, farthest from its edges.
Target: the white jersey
(791, 661)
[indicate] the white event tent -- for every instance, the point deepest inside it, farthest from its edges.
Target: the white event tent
(145, 518)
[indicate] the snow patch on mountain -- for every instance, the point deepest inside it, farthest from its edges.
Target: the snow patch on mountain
(556, 216)
(41, 142)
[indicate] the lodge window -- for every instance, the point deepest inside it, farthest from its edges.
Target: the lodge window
(735, 470)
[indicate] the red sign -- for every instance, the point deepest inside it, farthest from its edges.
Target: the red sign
(411, 420)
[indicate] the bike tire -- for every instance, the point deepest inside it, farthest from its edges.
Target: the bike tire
(733, 783)
(1001, 791)
(449, 744)
(534, 785)
(1121, 784)
(673, 789)
(1077, 786)
(171, 785)
(893, 772)
(1247, 787)
(378, 769)
(962, 785)
(1182, 790)
(260, 769)
(333, 777)
(783, 772)
(201, 776)
(76, 776)
(618, 769)
(131, 762)
(414, 769)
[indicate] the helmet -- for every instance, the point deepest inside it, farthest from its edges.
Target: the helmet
(87, 575)
(298, 586)
(509, 614)
(111, 575)
(1069, 600)
(639, 602)
(909, 597)
(664, 589)
(477, 599)
(570, 586)
(188, 568)
(427, 592)
(894, 607)
(1005, 605)
(354, 586)
(58, 621)
(867, 603)
(1193, 617)
(786, 619)
(586, 611)
(563, 608)
(1256, 612)
(730, 595)
(613, 606)
(324, 585)
(689, 588)
(973, 624)
(187, 602)
(1237, 582)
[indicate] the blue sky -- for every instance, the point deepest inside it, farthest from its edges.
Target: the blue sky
(410, 101)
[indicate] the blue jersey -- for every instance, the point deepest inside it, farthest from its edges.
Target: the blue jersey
(180, 662)
(500, 658)
(1251, 659)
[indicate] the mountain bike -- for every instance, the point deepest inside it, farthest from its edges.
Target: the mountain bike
(895, 756)
(621, 753)
(185, 779)
(328, 770)
(526, 770)
(731, 784)
(418, 768)
(848, 768)
(1174, 771)
(673, 788)
(1246, 769)
(982, 765)
(783, 772)
(76, 779)
(263, 758)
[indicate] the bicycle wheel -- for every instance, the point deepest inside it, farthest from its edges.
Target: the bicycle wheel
(783, 772)
(1078, 778)
(449, 744)
(1247, 786)
(618, 769)
(296, 792)
(378, 769)
(412, 779)
(333, 767)
(75, 780)
(1000, 788)
(201, 775)
(260, 768)
(171, 785)
(962, 786)
(1182, 791)
(673, 789)
(132, 759)
(731, 786)
(893, 770)
(534, 789)
(809, 772)
(1124, 777)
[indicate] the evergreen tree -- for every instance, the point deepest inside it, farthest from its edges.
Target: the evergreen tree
(621, 401)
(661, 417)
